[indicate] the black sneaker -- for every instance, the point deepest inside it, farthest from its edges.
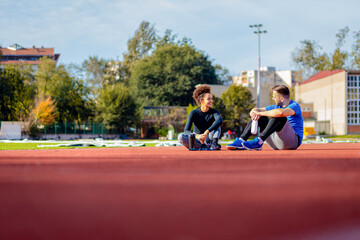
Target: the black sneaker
(215, 146)
(205, 147)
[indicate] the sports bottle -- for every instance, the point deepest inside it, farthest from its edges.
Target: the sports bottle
(254, 127)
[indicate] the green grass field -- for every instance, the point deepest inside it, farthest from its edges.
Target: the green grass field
(32, 146)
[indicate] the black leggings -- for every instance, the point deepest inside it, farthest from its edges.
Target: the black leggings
(267, 127)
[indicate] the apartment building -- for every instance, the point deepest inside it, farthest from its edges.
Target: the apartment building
(269, 77)
(16, 54)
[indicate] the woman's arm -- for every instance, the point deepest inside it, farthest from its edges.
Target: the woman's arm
(188, 124)
(217, 123)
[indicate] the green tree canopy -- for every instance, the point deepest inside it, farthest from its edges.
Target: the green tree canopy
(44, 76)
(219, 105)
(95, 70)
(139, 46)
(238, 104)
(310, 58)
(17, 93)
(223, 74)
(10, 83)
(169, 76)
(356, 50)
(70, 96)
(116, 107)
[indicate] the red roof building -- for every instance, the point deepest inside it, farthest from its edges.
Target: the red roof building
(15, 54)
(320, 75)
(334, 99)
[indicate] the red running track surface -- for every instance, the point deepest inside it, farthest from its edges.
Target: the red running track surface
(171, 193)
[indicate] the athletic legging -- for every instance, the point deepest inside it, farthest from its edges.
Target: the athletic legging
(267, 127)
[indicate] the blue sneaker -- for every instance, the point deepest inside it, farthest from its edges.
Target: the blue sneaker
(253, 144)
(236, 145)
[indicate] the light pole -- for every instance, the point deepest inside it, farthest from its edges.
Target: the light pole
(258, 32)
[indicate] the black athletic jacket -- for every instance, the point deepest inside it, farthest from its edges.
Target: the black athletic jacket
(203, 121)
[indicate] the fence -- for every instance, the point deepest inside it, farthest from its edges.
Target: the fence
(75, 128)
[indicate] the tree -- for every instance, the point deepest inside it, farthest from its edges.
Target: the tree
(169, 76)
(219, 105)
(168, 38)
(224, 76)
(7, 92)
(46, 70)
(139, 46)
(311, 60)
(238, 104)
(340, 57)
(45, 112)
(309, 57)
(356, 50)
(95, 70)
(116, 107)
(115, 72)
(17, 93)
(28, 92)
(70, 96)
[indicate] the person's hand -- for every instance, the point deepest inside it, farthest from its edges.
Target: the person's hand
(255, 114)
(202, 137)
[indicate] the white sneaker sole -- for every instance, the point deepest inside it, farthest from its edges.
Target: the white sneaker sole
(235, 148)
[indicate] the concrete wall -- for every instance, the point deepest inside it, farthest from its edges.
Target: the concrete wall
(266, 96)
(328, 96)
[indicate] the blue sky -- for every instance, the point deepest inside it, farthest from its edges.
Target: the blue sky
(78, 29)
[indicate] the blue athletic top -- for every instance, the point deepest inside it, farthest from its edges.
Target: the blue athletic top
(296, 121)
(203, 121)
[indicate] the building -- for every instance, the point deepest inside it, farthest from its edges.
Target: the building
(269, 77)
(333, 98)
(16, 54)
(218, 90)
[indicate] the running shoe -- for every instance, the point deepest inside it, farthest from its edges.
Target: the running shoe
(204, 147)
(253, 144)
(215, 146)
(236, 145)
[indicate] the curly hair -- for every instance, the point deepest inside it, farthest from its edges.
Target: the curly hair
(200, 92)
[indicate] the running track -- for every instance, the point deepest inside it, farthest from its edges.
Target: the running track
(170, 193)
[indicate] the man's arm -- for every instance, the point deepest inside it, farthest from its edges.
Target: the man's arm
(278, 112)
(258, 110)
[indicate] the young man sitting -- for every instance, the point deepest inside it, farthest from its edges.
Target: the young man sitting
(281, 125)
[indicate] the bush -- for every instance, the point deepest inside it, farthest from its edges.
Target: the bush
(162, 131)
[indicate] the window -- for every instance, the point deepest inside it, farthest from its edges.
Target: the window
(353, 100)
